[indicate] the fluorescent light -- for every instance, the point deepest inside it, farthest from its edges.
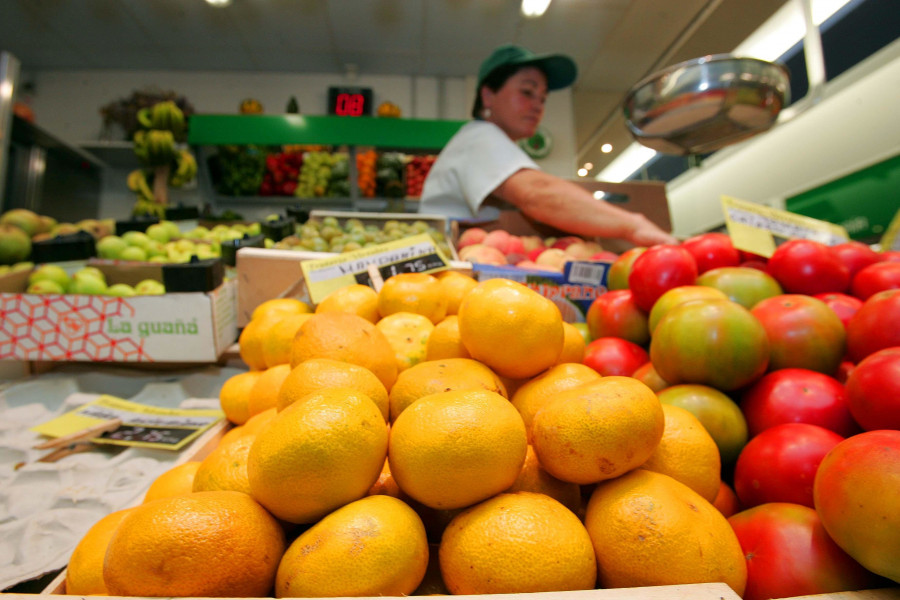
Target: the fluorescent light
(218, 3)
(534, 8)
(630, 160)
(785, 28)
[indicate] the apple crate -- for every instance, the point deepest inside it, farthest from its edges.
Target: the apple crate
(439, 222)
(182, 327)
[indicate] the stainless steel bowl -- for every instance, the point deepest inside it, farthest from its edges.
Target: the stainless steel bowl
(704, 104)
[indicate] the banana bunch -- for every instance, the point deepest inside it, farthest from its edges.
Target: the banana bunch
(148, 208)
(164, 116)
(137, 183)
(185, 169)
(155, 147)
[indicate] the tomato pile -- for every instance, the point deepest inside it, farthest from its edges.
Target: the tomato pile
(805, 348)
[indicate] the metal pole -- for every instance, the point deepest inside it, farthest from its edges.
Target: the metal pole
(9, 77)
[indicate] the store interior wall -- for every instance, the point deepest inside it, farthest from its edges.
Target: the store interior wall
(68, 103)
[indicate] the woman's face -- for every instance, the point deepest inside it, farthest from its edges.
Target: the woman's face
(518, 106)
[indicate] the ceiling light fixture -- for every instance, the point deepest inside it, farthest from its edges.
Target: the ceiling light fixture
(533, 9)
(218, 3)
(606, 148)
(582, 172)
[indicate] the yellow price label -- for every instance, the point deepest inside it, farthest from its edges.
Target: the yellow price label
(760, 229)
(414, 254)
(143, 426)
(891, 238)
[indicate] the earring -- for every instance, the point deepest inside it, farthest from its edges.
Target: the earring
(486, 113)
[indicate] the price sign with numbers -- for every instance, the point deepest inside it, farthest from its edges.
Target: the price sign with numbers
(414, 254)
(349, 101)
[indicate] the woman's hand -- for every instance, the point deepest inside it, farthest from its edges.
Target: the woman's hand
(646, 233)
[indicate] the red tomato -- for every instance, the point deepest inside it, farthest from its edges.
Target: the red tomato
(617, 279)
(891, 255)
(803, 333)
(876, 278)
(808, 267)
(789, 554)
(712, 250)
(856, 497)
(876, 325)
(797, 396)
(873, 390)
(614, 314)
(844, 371)
(779, 464)
(713, 342)
(658, 270)
(743, 285)
(614, 356)
(844, 306)
(855, 255)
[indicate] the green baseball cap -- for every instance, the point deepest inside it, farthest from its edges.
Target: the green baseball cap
(560, 70)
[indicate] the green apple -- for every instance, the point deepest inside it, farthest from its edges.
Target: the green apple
(136, 238)
(122, 290)
(198, 233)
(50, 272)
(45, 286)
(254, 228)
(134, 253)
(149, 287)
(172, 228)
(155, 248)
(88, 284)
(159, 233)
(184, 246)
(89, 271)
(205, 251)
(111, 246)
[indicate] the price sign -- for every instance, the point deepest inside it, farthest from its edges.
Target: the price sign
(891, 238)
(349, 101)
(142, 426)
(415, 254)
(760, 229)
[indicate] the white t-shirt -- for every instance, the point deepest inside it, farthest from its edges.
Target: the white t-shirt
(476, 160)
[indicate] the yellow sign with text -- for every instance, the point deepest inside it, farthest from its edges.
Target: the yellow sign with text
(414, 254)
(760, 229)
(141, 425)
(891, 238)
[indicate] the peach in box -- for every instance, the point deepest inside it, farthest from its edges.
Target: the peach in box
(479, 253)
(475, 235)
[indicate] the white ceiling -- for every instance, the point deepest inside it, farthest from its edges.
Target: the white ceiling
(615, 42)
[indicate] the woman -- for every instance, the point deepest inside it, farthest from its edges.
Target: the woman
(483, 164)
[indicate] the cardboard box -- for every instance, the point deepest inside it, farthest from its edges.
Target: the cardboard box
(648, 198)
(175, 327)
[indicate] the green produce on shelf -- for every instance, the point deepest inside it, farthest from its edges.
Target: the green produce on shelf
(239, 170)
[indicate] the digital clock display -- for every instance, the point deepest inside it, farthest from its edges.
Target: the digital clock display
(349, 101)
